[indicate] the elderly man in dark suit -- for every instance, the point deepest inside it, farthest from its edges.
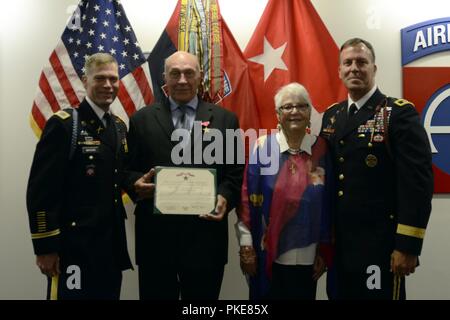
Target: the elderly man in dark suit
(384, 180)
(180, 254)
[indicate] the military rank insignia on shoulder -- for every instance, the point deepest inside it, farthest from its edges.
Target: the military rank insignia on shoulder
(62, 114)
(402, 102)
(119, 119)
(334, 104)
(120, 123)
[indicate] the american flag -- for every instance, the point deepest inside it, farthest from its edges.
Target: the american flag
(95, 26)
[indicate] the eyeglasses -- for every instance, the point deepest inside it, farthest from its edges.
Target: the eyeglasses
(176, 74)
(287, 108)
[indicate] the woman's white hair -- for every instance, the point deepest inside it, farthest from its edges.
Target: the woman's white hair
(293, 90)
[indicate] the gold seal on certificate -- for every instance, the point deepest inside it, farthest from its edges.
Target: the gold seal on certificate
(182, 190)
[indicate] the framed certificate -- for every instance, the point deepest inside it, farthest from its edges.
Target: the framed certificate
(183, 190)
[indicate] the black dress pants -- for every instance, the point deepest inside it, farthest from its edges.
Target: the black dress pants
(165, 282)
(85, 284)
(353, 285)
(292, 282)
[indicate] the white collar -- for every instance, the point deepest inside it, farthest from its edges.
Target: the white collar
(307, 142)
(98, 111)
(363, 100)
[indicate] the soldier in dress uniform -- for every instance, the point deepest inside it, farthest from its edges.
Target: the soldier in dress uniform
(74, 202)
(384, 181)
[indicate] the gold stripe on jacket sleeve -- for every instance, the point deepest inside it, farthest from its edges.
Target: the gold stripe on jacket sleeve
(45, 234)
(411, 231)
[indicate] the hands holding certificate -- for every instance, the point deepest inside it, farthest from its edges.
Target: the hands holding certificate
(144, 187)
(221, 209)
(178, 200)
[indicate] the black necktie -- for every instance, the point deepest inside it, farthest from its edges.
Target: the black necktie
(352, 110)
(109, 132)
(107, 118)
(182, 121)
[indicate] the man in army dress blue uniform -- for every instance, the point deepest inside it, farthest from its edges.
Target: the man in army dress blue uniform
(384, 181)
(74, 202)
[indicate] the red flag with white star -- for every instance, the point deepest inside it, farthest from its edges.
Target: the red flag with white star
(291, 43)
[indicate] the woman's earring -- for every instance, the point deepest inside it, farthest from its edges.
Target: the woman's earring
(308, 128)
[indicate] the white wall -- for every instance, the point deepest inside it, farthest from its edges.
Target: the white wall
(30, 30)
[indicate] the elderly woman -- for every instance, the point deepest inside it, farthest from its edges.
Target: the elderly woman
(284, 217)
